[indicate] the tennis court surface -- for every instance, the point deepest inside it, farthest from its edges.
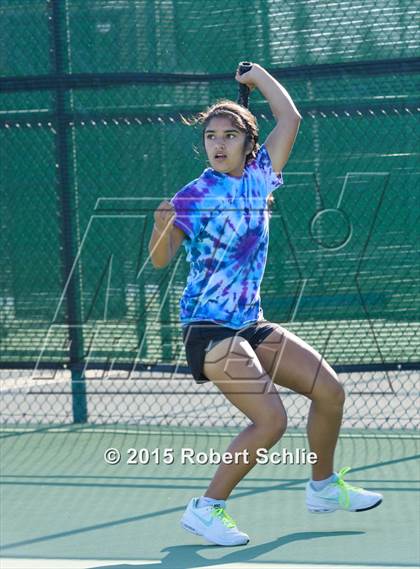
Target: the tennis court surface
(67, 508)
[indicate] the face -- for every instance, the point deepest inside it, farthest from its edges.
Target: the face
(225, 146)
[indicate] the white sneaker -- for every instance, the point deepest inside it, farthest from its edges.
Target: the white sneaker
(339, 495)
(212, 523)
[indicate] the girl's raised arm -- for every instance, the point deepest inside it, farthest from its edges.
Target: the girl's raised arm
(279, 142)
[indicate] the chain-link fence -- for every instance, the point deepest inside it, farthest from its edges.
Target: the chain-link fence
(91, 141)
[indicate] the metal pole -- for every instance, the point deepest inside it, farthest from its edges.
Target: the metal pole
(68, 222)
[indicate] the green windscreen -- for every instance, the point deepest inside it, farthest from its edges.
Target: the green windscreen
(91, 141)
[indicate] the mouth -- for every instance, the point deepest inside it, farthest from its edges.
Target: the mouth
(220, 157)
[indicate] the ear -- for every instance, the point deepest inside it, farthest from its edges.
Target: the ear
(249, 147)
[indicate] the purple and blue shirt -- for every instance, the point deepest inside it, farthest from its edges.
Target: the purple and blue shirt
(226, 222)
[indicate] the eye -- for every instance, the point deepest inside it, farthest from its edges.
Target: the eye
(209, 136)
(231, 134)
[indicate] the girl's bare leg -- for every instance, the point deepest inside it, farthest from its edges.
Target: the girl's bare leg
(246, 384)
(292, 363)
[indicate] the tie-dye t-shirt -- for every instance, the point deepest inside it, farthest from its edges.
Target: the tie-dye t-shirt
(226, 221)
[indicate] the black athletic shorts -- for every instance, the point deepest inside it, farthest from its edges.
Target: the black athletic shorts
(199, 338)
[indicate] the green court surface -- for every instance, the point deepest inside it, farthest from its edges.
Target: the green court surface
(66, 507)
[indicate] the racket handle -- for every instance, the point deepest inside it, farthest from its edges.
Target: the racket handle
(243, 97)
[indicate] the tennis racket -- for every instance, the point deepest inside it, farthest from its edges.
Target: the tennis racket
(243, 95)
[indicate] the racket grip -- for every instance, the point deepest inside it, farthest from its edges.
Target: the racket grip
(243, 97)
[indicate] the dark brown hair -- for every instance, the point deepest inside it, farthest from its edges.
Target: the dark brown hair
(241, 118)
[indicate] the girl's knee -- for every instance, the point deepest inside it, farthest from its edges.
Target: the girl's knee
(274, 423)
(340, 394)
(330, 391)
(336, 393)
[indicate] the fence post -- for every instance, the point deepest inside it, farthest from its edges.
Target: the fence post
(68, 222)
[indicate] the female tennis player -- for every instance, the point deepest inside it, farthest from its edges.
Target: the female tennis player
(222, 219)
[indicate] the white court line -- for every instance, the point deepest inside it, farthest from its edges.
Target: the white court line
(181, 431)
(21, 563)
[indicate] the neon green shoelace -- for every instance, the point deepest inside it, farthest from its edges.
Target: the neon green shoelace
(344, 496)
(220, 513)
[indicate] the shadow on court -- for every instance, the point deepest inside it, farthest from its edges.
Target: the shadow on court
(185, 556)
